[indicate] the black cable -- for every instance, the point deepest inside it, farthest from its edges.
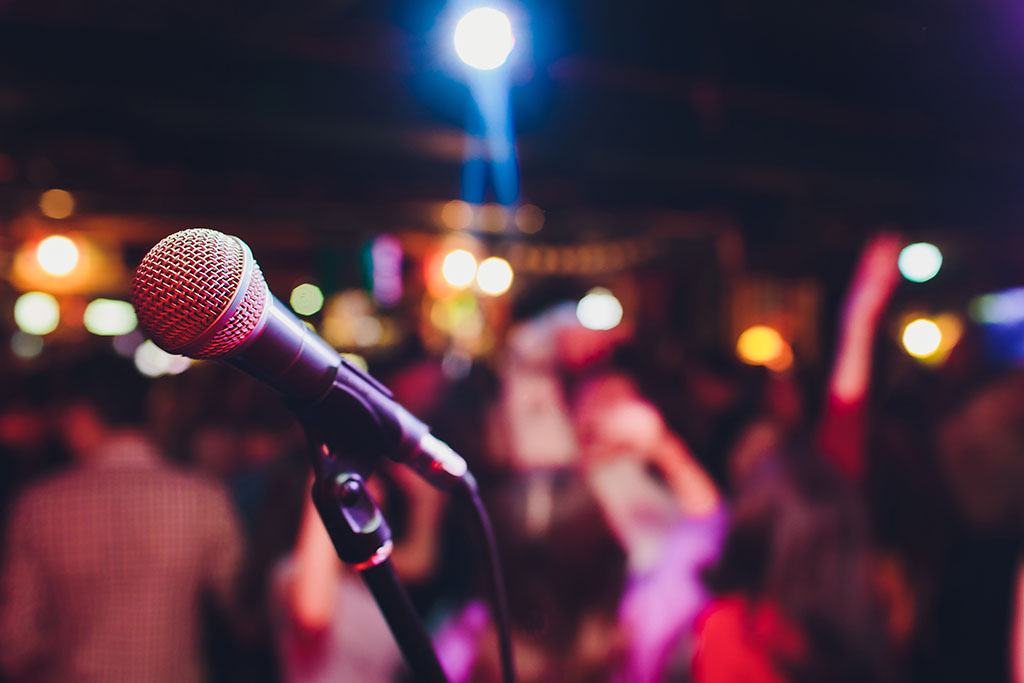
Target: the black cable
(498, 598)
(410, 635)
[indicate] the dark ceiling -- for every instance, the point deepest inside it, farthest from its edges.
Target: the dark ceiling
(797, 119)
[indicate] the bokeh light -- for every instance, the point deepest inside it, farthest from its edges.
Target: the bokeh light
(761, 345)
(386, 270)
(57, 255)
(367, 331)
(920, 262)
(57, 204)
(459, 268)
(26, 346)
(306, 299)
(922, 338)
(457, 215)
(783, 361)
(494, 276)
(37, 313)
(529, 218)
(483, 38)
(493, 218)
(599, 310)
(152, 361)
(998, 308)
(109, 317)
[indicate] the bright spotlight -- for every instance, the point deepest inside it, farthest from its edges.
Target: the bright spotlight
(109, 317)
(920, 262)
(459, 268)
(760, 345)
(494, 276)
(57, 255)
(37, 313)
(599, 310)
(483, 38)
(922, 338)
(306, 299)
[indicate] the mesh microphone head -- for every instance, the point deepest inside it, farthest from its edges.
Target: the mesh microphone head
(199, 293)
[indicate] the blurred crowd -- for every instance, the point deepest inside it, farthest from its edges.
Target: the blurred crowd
(708, 521)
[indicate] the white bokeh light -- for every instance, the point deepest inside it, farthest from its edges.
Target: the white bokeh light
(922, 338)
(599, 310)
(109, 317)
(494, 276)
(37, 313)
(483, 38)
(920, 262)
(57, 255)
(152, 361)
(459, 268)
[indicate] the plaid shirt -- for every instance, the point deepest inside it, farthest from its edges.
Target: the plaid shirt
(104, 567)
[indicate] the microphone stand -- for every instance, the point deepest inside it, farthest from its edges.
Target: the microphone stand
(362, 539)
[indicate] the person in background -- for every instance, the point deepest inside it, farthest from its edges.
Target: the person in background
(794, 597)
(328, 626)
(665, 512)
(843, 433)
(564, 573)
(107, 563)
(800, 592)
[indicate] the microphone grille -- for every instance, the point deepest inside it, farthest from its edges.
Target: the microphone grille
(185, 285)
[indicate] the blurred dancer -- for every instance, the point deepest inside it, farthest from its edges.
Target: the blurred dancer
(665, 512)
(329, 627)
(794, 598)
(106, 564)
(565, 576)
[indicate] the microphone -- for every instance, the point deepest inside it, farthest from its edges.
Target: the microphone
(199, 293)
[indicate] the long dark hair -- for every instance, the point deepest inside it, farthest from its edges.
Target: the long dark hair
(797, 540)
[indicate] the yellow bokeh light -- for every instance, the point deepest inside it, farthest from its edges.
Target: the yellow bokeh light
(760, 345)
(57, 255)
(57, 204)
(494, 276)
(306, 299)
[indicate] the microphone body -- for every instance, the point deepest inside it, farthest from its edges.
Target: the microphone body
(242, 323)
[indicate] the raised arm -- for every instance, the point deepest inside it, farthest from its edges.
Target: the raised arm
(843, 428)
(309, 587)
